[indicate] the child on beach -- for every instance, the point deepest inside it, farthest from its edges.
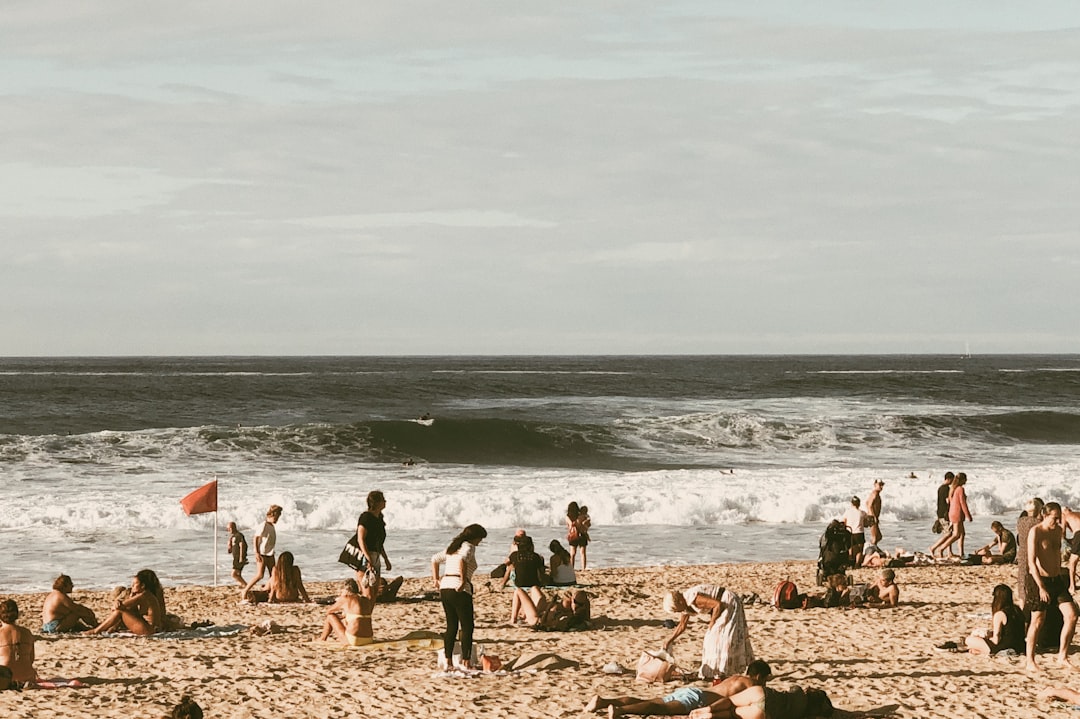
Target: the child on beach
(584, 523)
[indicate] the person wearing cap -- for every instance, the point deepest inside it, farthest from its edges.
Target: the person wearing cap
(873, 509)
(264, 548)
(855, 521)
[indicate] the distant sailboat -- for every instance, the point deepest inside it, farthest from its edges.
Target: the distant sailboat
(967, 350)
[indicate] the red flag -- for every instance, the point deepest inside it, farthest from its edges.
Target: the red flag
(202, 500)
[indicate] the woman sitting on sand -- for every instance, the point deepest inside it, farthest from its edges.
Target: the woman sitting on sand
(726, 648)
(142, 612)
(349, 618)
(528, 571)
(1007, 626)
(286, 584)
(561, 566)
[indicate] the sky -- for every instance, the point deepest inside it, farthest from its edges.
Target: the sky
(713, 177)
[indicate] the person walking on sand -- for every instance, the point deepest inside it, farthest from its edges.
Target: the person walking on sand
(238, 548)
(265, 541)
(873, 509)
(726, 648)
(958, 512)
(61, 614)
(16, 644)
(1044, 565)
(371, 538)
(456, 591)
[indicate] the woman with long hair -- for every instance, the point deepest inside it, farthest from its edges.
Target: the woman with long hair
(958, 511)
(286, 583)
(142, 612)
(456, 590)
(561, 566)
(1007, 626)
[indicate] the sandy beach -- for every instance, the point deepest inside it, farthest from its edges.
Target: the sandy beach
(872, 662)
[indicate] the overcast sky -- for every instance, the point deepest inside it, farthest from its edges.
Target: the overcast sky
(508, 178)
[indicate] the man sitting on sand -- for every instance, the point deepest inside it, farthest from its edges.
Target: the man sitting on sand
(1044, 565)
(60, 614)
(884, 592)
(16, 645)
(1004, 542)
(684, 700)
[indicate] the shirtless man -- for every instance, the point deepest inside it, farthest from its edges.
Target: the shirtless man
(1071, 520)
(684, 700)
(884, 592)
(60, 614)
(873, 509)
(238, 548)
(1044, 565)
(16, 644)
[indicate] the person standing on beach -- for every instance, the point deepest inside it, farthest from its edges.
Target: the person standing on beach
(873, 509)
(1028, 518)
(958, 511)
(855, 520)
(1044, 565)
(943, 490)
(16, 644)
(60, 614)
(238, 548)
(726, 648)
(456, 591)
(264, 548)
(1071, 521)
(371, 538)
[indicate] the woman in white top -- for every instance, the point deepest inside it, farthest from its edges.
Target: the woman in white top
(456, 590)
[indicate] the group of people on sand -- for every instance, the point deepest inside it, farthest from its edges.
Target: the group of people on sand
(860, 522)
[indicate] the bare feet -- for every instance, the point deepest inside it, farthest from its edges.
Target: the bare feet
(597, 703)
(1031, 666)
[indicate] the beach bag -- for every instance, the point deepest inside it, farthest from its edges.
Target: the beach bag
(656, 667)
(572, 534)
(939, 526)
(786, 595)
(351, 556)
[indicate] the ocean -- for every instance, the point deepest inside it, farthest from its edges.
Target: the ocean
(681, 460)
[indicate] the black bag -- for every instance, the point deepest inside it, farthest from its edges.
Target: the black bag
(939, 526)
(351, 556)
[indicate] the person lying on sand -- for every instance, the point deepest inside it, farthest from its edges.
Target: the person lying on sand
(684, 700)
(884, 592)
(61, 614)
(767, 703)
(349, 618)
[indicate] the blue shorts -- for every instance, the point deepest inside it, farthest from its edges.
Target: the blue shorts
(52, 627)
(690, 697)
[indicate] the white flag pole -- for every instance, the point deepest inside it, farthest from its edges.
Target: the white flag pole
(215, 547)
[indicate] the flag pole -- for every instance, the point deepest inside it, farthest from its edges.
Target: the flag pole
(215, 547)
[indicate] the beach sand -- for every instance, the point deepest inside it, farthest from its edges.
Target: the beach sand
(871, 662)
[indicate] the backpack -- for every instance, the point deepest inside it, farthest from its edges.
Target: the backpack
(786, 595)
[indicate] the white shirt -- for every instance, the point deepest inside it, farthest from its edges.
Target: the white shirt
(459, 568)
(269, 539)
(854, 518)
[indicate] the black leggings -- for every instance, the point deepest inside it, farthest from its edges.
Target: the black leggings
(458, 607)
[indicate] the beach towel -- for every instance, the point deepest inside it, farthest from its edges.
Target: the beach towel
(413, 640)
(211, 632)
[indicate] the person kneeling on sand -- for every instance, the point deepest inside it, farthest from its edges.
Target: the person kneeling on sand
(16, 645)
(1004, 542)
(61, 614)
(684, 700)
(349, 618)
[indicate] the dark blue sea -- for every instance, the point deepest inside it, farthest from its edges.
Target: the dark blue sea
(680, 459)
